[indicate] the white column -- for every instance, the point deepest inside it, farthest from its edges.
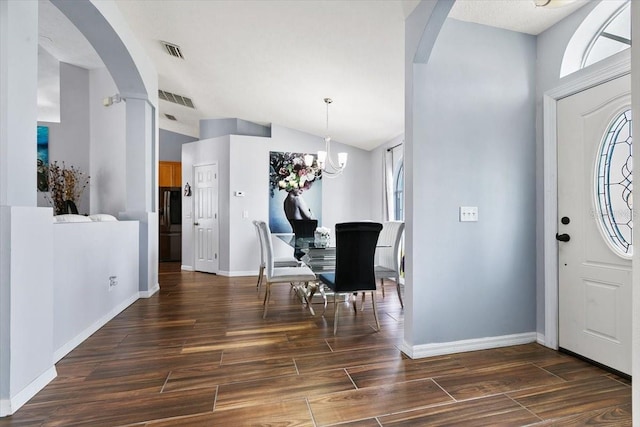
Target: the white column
(142, 146)
(26, 232)
(18, 107)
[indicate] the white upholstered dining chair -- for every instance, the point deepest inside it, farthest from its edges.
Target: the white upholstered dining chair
(388, 256)
(286, 261)
(300, 274)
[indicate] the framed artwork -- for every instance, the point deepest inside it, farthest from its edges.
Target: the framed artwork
(43, 158)
(295, 190)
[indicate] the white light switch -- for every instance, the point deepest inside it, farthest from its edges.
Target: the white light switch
(245, 214)
(468, 213)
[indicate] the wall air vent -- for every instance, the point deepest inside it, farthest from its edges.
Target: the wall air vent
(173, 49)
(170, 117)
(176, 99)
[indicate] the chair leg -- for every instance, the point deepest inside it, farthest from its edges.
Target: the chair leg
(375, 309)
(364, 294)
(260, 275)
(336, 306)
(324, 297)
(382, 286)
(307, 299)
(267, 295)
(353, 299)
(399, 292)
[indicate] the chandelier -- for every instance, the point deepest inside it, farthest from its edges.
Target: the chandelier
(329, 168)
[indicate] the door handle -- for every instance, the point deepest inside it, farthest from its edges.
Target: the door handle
(563, 237)
(196, 223)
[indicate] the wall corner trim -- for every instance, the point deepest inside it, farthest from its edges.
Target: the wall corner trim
(10, 406)
(439, 349)
(150, 292)
(237, 273)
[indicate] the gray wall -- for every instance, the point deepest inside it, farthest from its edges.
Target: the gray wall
(213, 128)
(69, 139)
(474, 145)
(171, 145)
(91, 137)
(108, 147)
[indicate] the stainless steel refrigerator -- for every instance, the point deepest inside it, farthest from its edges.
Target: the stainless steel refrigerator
(170, 224)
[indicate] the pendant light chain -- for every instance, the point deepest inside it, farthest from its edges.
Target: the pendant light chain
(324, 157)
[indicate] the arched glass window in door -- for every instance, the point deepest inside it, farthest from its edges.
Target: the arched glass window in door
(399, 193)
(614, 182)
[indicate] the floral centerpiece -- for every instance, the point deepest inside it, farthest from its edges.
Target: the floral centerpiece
(65, 184)
(322, 235)
(289, 172)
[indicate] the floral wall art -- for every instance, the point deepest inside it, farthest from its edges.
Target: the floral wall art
(295, 190)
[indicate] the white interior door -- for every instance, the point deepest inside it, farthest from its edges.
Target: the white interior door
(594, 212)
(205, 218)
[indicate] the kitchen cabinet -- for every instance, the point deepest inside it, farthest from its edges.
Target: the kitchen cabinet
(170, 174)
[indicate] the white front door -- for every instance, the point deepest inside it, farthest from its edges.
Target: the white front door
(205, 218)
(594, 201)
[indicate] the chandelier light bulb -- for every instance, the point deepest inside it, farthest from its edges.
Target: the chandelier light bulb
(342, 159)
(308, 159)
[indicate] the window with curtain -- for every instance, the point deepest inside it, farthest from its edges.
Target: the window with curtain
(399, 192)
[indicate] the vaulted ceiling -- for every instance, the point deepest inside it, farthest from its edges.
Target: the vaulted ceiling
(273, 61)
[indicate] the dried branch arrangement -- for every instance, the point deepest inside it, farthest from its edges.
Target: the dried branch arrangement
(65, 184)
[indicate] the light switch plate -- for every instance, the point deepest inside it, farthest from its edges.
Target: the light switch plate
(468, 213)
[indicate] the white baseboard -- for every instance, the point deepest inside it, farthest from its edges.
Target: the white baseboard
(187, 268)
(439, 349)
(10, 406)
(237, 273)
(541, 339)
(78, 339)
(150, 292)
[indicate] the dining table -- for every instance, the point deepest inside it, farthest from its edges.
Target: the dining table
(319, 256)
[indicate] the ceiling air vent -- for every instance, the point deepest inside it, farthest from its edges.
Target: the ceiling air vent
(176, 99)
(173, 49)
(170, 117)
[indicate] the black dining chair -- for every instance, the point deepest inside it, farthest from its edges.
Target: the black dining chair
(303, 228)
(355, 250)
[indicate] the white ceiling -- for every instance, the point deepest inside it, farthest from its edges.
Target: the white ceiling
(274, 61)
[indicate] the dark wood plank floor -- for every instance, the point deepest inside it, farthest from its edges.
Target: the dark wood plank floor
(199, 354)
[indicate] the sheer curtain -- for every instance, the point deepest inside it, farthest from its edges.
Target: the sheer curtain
(389, 199)
(389, 159)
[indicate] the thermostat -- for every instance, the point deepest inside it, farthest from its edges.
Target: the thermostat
(239, 193)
